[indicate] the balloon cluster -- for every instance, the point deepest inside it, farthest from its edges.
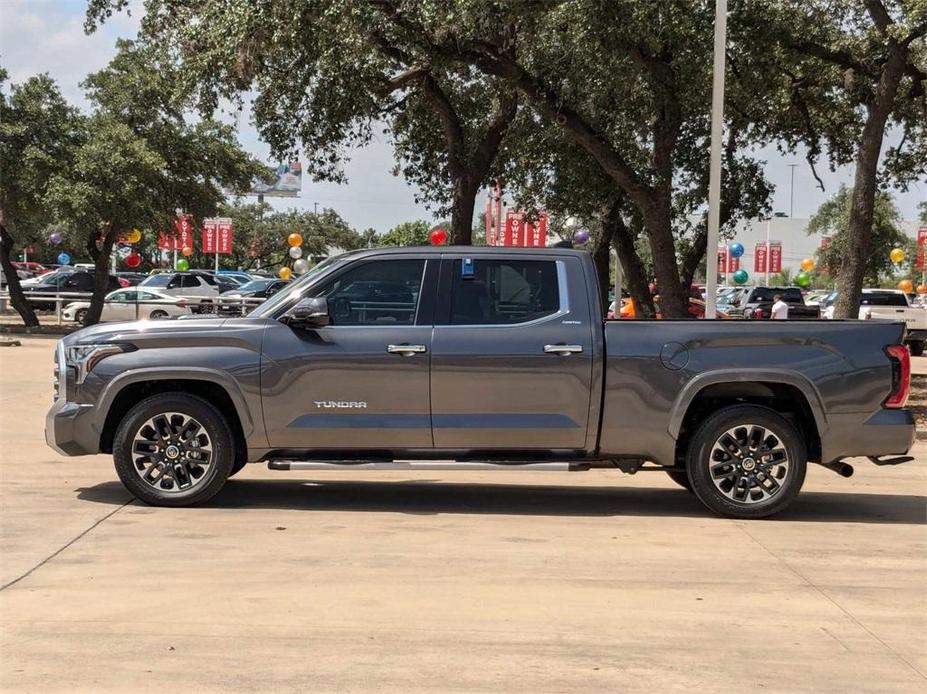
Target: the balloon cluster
(581, 237)
(438, 237)
(907, 286)
(54, 238)
(64, 259)
(300, 264)
(897, 255)
(736, 250)
(741, 276)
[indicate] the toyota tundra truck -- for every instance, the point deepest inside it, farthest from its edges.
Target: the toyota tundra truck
(479, 358)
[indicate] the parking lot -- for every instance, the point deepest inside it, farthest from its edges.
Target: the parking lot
(471, 581)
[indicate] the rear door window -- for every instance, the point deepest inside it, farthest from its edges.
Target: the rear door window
(500, 292)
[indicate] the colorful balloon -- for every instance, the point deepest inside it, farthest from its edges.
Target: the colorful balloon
(921, 289)
(133, 260)
(301, 266)
(803, 279)
(54, 238)
(438, 237)
(187, 251)
(296, 252)
(807, 264)
(294, 239)
(134, 236)
(736, 250)
(285, 273)
(183, 265)
(907, 286)
(64, 259)
(581, 237)
(897, 255)
(741, 277)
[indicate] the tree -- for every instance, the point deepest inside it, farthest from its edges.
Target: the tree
(850, 71)
(327, 76)
(834, 220)
(38, 130)
(629, 83)
(138, 159)
(407, 234)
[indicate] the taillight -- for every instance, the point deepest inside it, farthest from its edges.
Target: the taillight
(757, 314)
(901, 375)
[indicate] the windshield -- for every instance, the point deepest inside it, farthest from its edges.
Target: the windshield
(295, 289)
(159, 280)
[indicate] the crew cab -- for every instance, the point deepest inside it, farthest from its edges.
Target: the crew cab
(892, 304)
(479, 358)
(757, 303)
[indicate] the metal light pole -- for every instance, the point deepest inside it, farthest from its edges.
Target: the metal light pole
(714, 177)
(792, 191)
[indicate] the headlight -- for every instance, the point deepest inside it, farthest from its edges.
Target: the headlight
(85, 357)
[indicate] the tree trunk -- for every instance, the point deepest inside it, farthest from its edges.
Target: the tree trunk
(853, 264)
(17, 298)
(634, 276)
(101, 258)
(674, 302)
(465, 189)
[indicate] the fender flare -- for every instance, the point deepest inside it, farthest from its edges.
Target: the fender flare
(187, 373)
(747, 375)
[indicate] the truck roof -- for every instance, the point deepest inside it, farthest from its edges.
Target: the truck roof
(489, 250)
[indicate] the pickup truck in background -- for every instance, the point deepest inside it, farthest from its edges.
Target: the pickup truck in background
(479, 358)
(891, 304)
(757, 304)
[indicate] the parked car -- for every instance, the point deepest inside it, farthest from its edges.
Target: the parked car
(43, 296)
(47, 277)
(230, 302)
(489, 358)
(34, 269)
(131, 304)
(196, 287)
(131, 278)
(757, 303)
(242, 278)
(892, 304)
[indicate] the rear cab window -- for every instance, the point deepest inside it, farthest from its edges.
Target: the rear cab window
(883, 299)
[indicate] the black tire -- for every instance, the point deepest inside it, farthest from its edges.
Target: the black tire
(158, 314)
(917, 348)
(81, 315)
(241, 460)
(763, 494)
(680, 477)
(201, 489)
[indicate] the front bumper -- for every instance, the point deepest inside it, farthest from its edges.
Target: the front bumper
(887, 432)
(70, 428)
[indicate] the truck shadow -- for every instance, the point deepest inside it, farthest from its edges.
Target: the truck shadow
(431, 497)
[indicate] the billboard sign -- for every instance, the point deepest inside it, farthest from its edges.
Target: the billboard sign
(285, 181)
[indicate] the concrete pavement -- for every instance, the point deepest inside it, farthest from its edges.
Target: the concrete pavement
(415, 582)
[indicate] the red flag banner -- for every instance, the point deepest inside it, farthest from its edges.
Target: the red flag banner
(775, 257)
(184, 231)
(166, 242)
(209, 236)
(722, 260)
(759, 258)
(921, 242)
(224, 233)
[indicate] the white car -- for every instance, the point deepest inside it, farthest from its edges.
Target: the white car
(892, 304)
(131, 304)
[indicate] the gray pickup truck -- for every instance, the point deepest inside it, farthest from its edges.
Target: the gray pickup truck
(479, 358)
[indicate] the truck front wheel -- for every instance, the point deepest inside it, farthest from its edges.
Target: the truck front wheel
(173, 449)
(746, 462)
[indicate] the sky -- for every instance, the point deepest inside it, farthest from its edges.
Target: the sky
(47, 36)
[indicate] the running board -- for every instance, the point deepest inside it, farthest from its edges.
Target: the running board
(423, 465)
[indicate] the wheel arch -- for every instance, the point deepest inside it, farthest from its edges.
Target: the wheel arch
(130, 388)
(785, 392)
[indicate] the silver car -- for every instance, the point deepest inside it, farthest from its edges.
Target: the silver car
(134, 303)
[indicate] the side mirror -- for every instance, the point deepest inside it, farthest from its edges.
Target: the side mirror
(310, 313)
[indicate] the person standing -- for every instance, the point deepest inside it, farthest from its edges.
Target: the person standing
(780, 309)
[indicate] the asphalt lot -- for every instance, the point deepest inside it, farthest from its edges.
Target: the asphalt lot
(412, 582)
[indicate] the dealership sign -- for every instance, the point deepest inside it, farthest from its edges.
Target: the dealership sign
(217, 235)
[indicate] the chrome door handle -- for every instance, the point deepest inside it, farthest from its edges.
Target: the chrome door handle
(406, 350)
(563, 350)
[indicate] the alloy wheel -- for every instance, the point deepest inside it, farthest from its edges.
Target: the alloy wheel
(172, 452)
(749, 464)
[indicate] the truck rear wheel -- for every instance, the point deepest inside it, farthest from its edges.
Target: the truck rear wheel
(746, 462)
(173, 449)
(680, 477)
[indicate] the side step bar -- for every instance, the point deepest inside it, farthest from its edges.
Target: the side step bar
(423, 465)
